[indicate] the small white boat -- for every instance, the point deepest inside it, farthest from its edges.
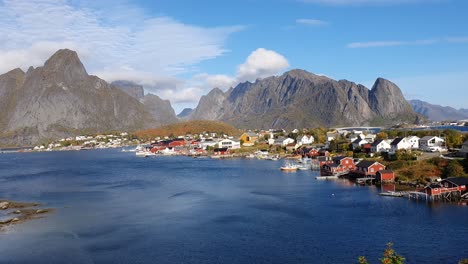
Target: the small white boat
(144, 154)
(303, 167)
(289, 167)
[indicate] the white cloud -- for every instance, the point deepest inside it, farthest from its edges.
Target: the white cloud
(31, 31)
(311, 22)
(375, 44)
(458, 40)
(261, 63)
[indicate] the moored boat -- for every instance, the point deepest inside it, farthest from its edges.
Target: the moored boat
(289, 167)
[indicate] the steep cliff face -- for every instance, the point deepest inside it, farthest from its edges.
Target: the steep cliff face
(160, 109)
(210, 106)
(185, 113)
(60, 99)
(302, 99)
(133, 89)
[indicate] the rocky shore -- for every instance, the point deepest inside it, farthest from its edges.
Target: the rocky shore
(13, 213)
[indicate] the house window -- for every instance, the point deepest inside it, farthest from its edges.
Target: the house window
(346, 162)
(372, 170)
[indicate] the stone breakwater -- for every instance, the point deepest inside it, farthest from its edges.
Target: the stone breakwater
(12, 213)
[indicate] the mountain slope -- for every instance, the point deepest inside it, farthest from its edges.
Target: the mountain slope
(160, 109)
(61, 99)
(302, 99)
(437, 112)
(185, 113)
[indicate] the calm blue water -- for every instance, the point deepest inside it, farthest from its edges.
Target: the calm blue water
(115, 208)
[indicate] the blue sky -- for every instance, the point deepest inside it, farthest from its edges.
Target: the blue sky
(182, 49)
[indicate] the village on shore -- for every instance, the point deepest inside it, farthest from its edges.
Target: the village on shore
(366, 155)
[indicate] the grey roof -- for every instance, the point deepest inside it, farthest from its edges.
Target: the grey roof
(251, 134)
(427, 138)
(396, 141)
(365, 163)
(458, 180)
(377, 142)
(385, 171)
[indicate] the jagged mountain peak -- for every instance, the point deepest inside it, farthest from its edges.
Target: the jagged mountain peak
(384, 85)
(299, 98)
(67, 63)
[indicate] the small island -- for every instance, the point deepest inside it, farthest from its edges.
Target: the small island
(13, 213)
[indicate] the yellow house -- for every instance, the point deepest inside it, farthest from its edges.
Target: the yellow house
(249, 138)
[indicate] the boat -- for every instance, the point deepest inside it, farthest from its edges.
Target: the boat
(303, 167)
(289, 167)
(392, 193)
(144, 154)
(333, 177)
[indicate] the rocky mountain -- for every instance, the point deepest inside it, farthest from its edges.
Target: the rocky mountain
(185, 113)
(133, 89)
(160, 109)
(437, 112)
(302, 99)
(60, 99)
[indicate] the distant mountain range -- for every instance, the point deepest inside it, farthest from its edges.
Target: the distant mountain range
(60, 99)
(437, 112)
(302, 99)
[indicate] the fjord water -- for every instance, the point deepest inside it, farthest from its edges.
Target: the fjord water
(112, 207)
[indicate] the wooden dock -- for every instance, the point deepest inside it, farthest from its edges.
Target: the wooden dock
(365, 180)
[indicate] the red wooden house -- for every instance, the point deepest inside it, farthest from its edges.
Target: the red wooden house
(385, 176)
(453, 184)
(177, 143)
(331, 169)
(221, 151)
(368, 168)
(346, 162)
(324, 160)
(313, 153)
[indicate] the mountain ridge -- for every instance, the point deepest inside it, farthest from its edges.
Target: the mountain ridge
(298, 98)
(60, 99)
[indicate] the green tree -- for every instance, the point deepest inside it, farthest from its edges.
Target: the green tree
(389, 257)
(454, 169)
(382, 135)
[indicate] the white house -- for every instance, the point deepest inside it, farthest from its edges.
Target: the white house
(380, 145)
(229, 143)
(399, 143)
(431, 143)
(332, 136)
(207, 142)
(358, 143)
(413, 141)
(305, 140)
(370, 138)
(281, 141)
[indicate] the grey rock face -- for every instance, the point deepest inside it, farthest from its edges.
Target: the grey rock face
(61, 99)
(437, 112)
(133, 89)
(160, 109)
(185, 113)
(302, 99)
(210, 106)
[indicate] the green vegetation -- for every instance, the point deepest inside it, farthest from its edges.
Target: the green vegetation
(189, 127)
(389, 257)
